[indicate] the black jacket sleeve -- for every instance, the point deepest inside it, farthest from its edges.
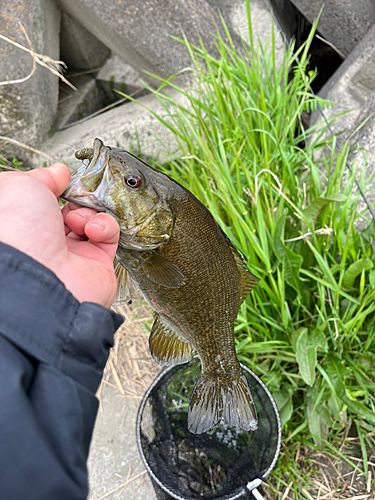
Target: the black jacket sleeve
(52, 354)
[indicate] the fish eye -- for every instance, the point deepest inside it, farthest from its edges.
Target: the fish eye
(132, 181)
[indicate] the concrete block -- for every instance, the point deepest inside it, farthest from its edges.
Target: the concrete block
(343, 22)
(235, 15)
(80, 50)
(76, 105)
(117, 75)
(117, 127)
(365, 137)
(27, 109)
(351, 85)
(138, 31)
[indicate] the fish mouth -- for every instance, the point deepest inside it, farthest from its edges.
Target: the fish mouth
(91, 175)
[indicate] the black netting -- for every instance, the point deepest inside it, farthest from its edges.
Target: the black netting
(215, 465)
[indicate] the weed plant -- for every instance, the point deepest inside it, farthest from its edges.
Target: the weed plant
(285, 199)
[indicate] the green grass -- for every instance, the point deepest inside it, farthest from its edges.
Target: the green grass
(6, 165)
(289, 207)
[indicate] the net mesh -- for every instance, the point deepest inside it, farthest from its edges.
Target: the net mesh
(214, 465)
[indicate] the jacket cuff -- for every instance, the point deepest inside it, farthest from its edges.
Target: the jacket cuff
(40, 316)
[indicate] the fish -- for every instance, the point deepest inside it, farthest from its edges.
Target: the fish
(172, 250)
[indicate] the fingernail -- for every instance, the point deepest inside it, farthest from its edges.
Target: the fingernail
(99, 223)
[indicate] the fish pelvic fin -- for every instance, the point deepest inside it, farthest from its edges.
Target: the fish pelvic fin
(124, 285)
(166, 346)
(214, 403)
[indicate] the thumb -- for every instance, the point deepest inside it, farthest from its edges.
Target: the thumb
(56, 177)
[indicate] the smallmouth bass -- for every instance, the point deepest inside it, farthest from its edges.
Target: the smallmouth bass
(175, 253)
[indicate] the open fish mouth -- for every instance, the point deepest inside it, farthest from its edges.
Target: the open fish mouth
(88, 182)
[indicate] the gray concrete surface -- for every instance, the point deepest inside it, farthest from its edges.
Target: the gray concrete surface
(27, 110)
(116, 127)
(343, 22)
(80, 50)
(365, 157)
(139, 32)
(261, 22)
(75, 105)
(351, 85)
(114, 459)
(117, 75)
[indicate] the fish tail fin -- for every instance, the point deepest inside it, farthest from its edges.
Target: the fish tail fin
(213, 403)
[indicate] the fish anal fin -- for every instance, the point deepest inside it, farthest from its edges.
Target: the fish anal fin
(168, 348)
(163, 272)
(214, 403)
(123, 295)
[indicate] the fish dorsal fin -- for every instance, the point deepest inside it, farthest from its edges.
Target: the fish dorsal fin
(248, 280)
(168, 348)
(163, 272)
(123, 295)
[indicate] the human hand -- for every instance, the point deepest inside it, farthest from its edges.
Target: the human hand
(76, 243)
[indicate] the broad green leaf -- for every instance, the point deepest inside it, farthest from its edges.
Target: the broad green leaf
(295, 336)
(316, 417)
(354, 270)
(368, 234)
(336, 373)
(317, 339)
(306, 358)
(283, 400)
(312, 212)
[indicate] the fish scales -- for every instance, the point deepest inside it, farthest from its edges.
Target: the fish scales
(186, 268)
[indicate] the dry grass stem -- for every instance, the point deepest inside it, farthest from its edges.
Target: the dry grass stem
(115, 376)
(21, 80)
(358, 497)
(102, 110)
(130, 365)
(29, 148)
(287, 489)
(47, 62)
(122, 485)
(308, 494)
(330, 44)
(8, 164)
(369, 477)
(323, 230)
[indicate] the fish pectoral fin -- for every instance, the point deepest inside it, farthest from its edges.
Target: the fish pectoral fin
(123, 295)
(163, 272)
(215, 403)
(167, 347)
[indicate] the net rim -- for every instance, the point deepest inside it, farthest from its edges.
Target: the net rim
(144, 460)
